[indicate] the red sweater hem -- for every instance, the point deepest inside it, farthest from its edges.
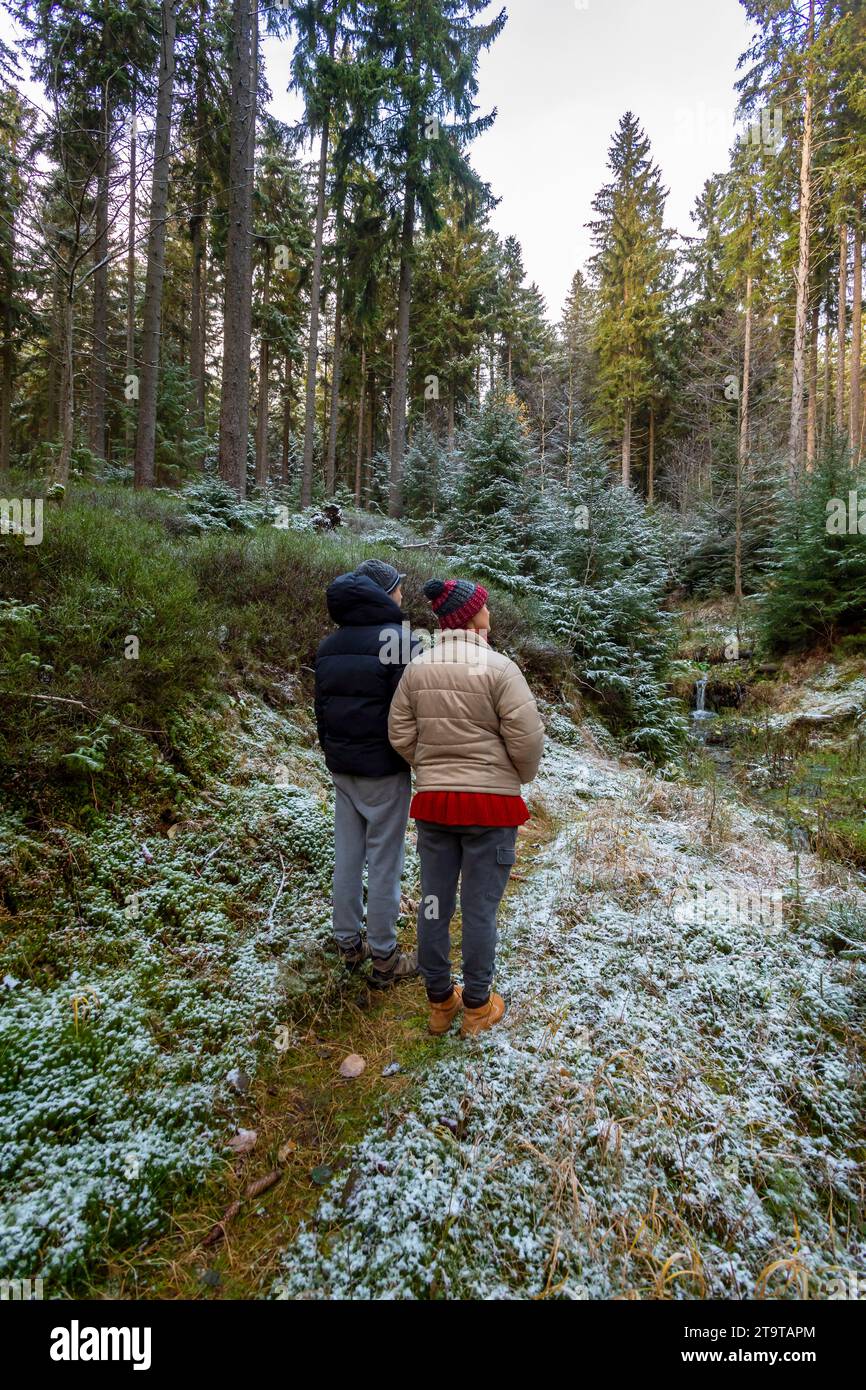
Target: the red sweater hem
(469, 808)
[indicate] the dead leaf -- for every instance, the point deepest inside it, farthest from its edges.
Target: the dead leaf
(255, 1189)
(244, 1141)
(286, 1150)
(352, 1066)
(171, 832)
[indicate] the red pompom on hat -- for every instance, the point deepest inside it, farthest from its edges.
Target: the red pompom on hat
(455, 601)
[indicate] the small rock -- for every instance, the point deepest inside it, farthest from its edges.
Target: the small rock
(391, 1069)
(352, 1066)
(322, 1176)
(212, 1278)
(239, 1081)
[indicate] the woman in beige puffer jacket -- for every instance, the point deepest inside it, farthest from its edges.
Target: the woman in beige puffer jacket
(466, 720)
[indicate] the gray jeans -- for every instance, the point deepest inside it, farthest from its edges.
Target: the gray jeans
(482, 858)
(370, 819)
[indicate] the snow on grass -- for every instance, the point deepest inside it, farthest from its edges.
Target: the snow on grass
(155, 978)
(673, 1106)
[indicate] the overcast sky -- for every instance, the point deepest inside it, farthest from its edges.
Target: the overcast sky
(561, 75)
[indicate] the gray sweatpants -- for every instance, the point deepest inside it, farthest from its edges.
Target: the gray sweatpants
(370, 819)
(481, 857)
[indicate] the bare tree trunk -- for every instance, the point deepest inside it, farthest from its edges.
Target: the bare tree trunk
(198, 235)
(145, 441)
(60, 473)
(570, 418)
(812, 409)
(359, 451)
(264, 368)
(543, 429)
(315, 302)
(825, 400)
(287, 420)
(626, 448)
(842, 329)
(99, 354)
(856, 348)
(130, 264)
(651, 459)
(795, 446)
(237, 319)
(331, 457)
(743, 443)
(7, 354)
(401, 363)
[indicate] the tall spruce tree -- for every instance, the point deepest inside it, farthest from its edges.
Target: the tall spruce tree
(633, 273)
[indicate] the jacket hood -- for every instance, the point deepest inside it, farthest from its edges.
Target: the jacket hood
(356, 601)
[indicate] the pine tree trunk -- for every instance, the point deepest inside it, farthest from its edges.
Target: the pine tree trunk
(237, 319)
(651, 459)
(7, 354)
(856, 349)
(287, 420)
(145, 442)
(130, 265)
(264, 368)
(842, 328)
(198, 236)
(331, 457)
(359, 451)
(626, 448)
(55, 360)
(99, 353)
(825, 400)
(315, 300)
(60, 472)
(812, 410)
(795, 444)
(401, 363)
(7, 380)
(372, 411)
(743, 443)
(570, 419)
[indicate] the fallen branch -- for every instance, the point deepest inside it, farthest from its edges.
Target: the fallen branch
(270, 918)
(65, 700)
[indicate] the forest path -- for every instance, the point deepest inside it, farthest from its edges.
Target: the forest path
(673, 1104)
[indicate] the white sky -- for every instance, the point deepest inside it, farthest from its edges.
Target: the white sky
(561, 75)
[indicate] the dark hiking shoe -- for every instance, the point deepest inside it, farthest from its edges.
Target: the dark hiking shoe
(400, 966)
(353, 957)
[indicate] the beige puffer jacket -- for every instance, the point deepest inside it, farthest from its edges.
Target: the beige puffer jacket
(466, 720)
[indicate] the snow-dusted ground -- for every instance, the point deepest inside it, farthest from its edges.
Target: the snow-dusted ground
(673, 1105)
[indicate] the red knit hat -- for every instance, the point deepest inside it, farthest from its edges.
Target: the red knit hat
(455, 601)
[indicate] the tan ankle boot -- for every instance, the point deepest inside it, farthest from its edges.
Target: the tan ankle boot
(443, 1015)
(478, 1020)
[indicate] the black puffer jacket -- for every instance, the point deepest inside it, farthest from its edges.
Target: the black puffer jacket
(354, 685)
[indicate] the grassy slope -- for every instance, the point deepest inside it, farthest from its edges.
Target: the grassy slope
(164, 860)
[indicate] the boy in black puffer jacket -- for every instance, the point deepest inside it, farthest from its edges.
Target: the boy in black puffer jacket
(356, 677)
